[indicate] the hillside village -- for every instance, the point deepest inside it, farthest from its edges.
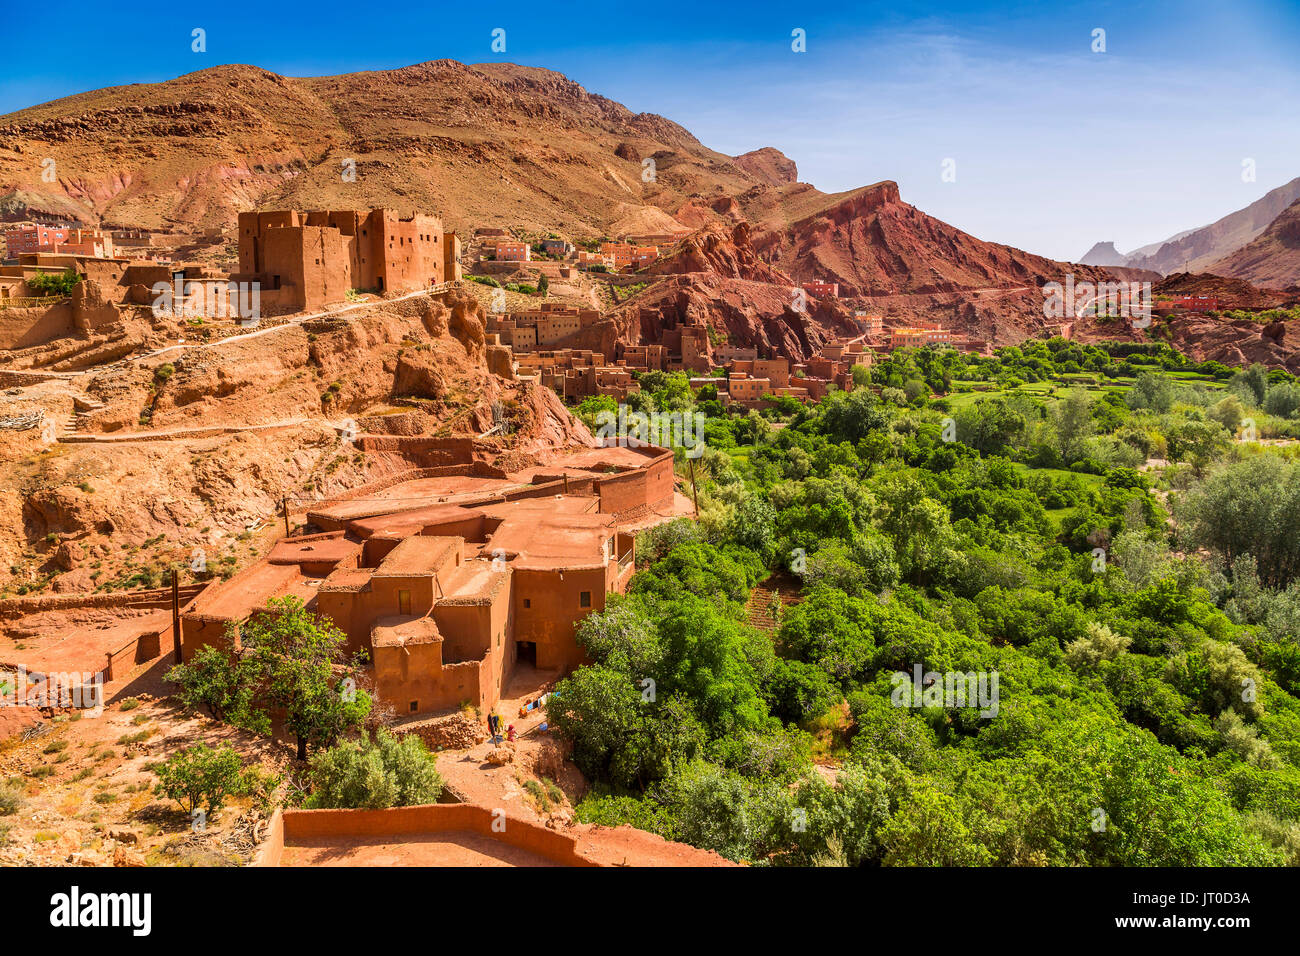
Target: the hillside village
(399, 436)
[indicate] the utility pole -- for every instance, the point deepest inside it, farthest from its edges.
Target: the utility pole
(176, 617)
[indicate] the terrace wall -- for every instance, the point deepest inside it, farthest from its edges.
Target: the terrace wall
(290, 826)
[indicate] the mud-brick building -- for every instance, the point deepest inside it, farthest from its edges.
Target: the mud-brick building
(451, 579)
(304, 260)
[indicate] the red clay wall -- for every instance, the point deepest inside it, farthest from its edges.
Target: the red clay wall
(649, 487)
(307, 825)
(547, 607)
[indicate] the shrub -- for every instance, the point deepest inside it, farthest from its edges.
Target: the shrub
(58, 283)
(373, 775)
(11, 799)
(199, 777)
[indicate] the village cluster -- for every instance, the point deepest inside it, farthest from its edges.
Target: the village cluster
(449, 575)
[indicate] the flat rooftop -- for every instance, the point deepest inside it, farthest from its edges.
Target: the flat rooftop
(598, 460)
(418, 493)
(418, 554)
(398, 631)
(250, 591)
(542, 533)
(80, 649)
(329, 550)
(473, 579)
(412, 521)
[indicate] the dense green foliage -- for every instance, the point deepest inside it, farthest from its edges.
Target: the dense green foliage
(1147, 709)
(53, 283)
(372, 775)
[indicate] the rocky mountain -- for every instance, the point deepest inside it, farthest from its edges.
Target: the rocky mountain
(511, 146)
(493, 144)
(1198, 249)
(1271, 259)
(1103, 254)
(873, 244)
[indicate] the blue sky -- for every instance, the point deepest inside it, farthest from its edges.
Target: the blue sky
(1054, 146)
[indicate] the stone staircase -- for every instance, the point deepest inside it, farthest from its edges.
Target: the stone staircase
(83, 408)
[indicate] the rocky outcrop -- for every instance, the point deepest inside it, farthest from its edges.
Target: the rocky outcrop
(500, 361)
(769, 165)
(466, 324)
(720, 251)
(417, 377)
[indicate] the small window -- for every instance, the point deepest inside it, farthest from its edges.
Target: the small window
(403, 602)
(415, 706)
(528, 602)
(584, 599)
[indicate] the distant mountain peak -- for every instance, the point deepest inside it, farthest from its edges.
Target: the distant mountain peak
(1103, 254)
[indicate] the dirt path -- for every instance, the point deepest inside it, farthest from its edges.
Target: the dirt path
(243, 337)
(168, 434)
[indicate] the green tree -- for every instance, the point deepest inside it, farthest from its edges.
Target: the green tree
(1252, 508)
(224, 684)
(1072, 423)
(199, 777)
(305, 672)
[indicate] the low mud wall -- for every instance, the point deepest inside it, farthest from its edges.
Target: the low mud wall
(294, 826)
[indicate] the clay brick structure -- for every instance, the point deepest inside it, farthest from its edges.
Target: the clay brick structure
(626, 255)
(557, 247)
(304, 260)
(647, 358)
(511, 250)
(448, 580)
(822, 290)
(872, 324)
(918, 335)
(33, 237)
(542, 327)
(86, 242)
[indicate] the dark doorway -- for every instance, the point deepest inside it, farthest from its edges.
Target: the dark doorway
(526, 652)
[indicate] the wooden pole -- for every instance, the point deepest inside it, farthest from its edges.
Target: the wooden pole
(694, 495)
(176, 616)
(284, 503)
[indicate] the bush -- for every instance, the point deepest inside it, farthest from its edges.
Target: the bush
(373, 775)
(199, 777)
(58, 283)
(11, 799)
